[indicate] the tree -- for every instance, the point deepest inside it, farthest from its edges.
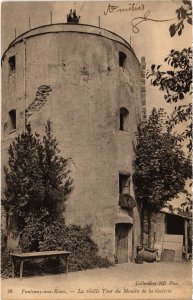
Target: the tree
(161, 167)
(24, 189)
(56, 178)
(176, 81)
(37, 181)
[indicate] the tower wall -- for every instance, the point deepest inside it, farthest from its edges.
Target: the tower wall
(73, 77)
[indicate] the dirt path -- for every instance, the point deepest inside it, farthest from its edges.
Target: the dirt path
(125, 281)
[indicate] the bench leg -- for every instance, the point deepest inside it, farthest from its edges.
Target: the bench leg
(21, 268)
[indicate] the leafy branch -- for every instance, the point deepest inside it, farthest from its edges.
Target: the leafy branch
(177, 81)
(183, 13)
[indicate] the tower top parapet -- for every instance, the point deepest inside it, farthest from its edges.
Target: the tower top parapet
(68, 28)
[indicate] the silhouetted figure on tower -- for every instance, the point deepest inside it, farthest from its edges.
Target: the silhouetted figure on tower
(72, 17)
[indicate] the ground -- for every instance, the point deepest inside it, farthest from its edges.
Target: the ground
(123, 281)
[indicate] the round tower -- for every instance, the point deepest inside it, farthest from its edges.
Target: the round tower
(87, 81)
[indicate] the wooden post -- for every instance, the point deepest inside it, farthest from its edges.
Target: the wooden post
(133, 255)
(66, 263)
(99, 22)
(13, 267)
(21, 268)
(142, 223)
(51, 17)
(150, 230)
(186, 237)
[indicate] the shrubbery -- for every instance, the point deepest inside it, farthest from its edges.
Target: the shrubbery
(76, 240)
(72, 238)
(5, 256)
(57, 236)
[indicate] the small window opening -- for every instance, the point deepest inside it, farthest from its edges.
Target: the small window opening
(12, 118)
(124, 113)
(174, 225)
(12, 63)
(122, 59)
(124, 184)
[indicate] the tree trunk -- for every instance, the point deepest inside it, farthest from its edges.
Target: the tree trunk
(142, 223)
(150, 231)
(12, 232)
(186, 237)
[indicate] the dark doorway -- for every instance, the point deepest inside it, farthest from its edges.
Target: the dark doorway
(174, 225)
(121, 242)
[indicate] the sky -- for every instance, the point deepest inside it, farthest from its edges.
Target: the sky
(152, 41)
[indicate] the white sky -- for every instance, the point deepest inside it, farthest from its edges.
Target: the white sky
(153, 40)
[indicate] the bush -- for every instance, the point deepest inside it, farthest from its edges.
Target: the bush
(55, 236)
(5, 256)
(33, 232)
(76, 240)
(58, 236)
(5, 264)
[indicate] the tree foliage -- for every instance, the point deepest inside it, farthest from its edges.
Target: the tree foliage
(175, 79)
(161, 167)
(56, 174)
(37, 180)
(184, 13)
(24, 187)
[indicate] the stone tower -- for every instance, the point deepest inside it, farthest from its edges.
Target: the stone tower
(87, 80)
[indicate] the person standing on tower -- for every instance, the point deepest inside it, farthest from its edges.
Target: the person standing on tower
(75, 17)
(70, 18)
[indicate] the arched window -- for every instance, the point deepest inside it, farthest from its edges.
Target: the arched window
(122, 59)
(123, 115)
(12, 119)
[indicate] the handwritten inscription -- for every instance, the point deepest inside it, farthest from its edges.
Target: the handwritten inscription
(131, 7)
(146, 17)
(134, 7)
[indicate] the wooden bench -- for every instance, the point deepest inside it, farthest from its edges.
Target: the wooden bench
(22, 257)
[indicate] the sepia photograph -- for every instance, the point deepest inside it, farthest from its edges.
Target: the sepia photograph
(96, 145)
